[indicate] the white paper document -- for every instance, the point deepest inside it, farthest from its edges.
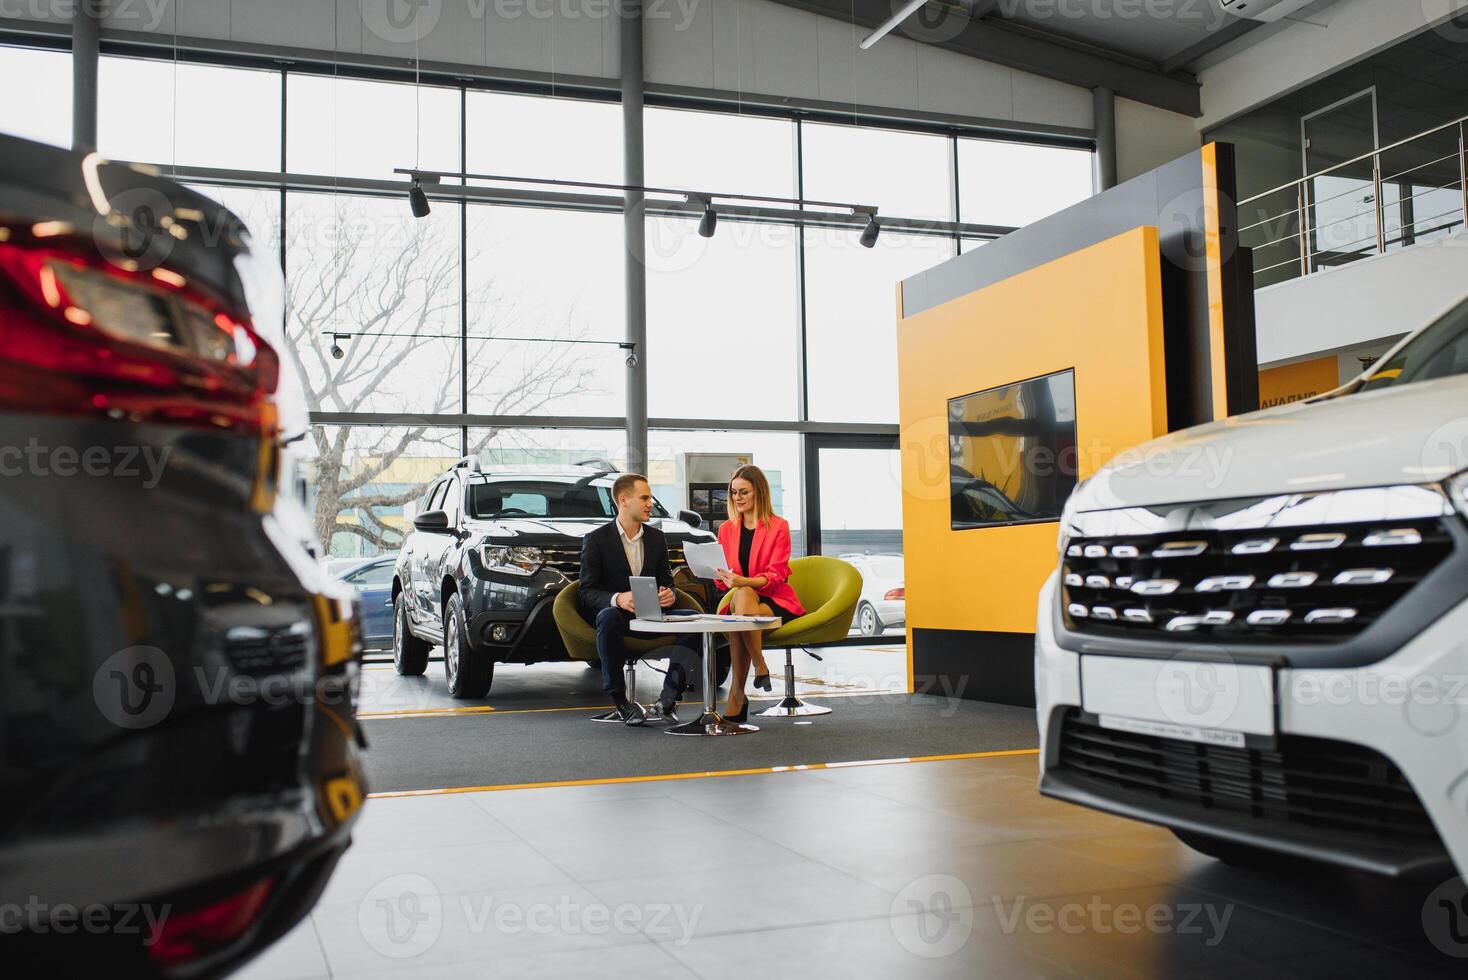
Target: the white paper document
(704, 558)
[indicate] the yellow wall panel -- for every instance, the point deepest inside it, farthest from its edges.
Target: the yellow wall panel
(1296, 382)
(1097, 311)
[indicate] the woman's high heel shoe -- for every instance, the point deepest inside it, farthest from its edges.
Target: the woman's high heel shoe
(743, 714)
(762, 681)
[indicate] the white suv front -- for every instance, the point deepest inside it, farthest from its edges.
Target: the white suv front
(1258, 632)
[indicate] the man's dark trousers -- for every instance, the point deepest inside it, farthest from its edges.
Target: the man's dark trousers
(611, 649)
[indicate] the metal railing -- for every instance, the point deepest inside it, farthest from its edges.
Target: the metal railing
(1411, 191)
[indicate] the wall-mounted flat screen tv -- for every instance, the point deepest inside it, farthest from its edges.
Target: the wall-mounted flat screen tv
(1012, 452)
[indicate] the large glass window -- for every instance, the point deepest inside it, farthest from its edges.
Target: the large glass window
(166, 112)
(1015, 184)
(508, 450)
(385, 309)
(724, 308)
(851, 319)
(533, 136)
(540, 279)
(44, 113)
(777, 453)
(258, 208)
(906, 175)
(359, 478)
(716, 151)
(388, 283)
(349, 127)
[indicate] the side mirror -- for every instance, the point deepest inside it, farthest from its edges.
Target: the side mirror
(432, 520)
(691, 517)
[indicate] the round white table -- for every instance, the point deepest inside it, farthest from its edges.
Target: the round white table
(710, 722)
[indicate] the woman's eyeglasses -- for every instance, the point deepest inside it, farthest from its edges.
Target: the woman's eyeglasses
(741, 493)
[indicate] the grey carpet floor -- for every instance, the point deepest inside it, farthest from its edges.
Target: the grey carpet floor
(501, 748)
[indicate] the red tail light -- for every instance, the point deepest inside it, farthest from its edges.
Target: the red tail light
(900, 593)
(82, 335)
(185, 936)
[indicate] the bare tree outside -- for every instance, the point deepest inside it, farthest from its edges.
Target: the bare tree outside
(390, 288)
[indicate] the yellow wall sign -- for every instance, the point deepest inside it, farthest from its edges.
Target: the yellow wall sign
(1097, 312)
(1297, 382)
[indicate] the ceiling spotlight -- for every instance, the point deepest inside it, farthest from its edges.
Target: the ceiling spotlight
(870, 232)
(418, 200)
(337, 352)
(708, 222)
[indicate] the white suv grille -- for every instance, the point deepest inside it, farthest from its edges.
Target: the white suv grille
(1275, 578)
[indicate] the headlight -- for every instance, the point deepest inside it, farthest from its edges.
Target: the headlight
(1457, 488)
(510, 560)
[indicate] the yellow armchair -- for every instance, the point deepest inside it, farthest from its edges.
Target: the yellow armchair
(579, 636)
(829, 589)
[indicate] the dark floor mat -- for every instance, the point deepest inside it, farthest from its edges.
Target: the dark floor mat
(546, 747)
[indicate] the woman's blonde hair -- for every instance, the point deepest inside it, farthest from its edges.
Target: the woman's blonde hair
(763, 508)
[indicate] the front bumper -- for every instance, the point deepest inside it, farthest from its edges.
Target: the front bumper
(530, 636)
(1411, 707)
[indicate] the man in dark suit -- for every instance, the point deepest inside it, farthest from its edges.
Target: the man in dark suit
(610, 557)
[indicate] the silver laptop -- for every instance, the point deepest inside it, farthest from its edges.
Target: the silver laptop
(645, 598)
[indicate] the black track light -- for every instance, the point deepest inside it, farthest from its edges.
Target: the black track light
(708, 222)
(418, 201)
(870, 232)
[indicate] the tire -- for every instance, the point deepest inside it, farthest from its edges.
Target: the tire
(470, 672)
(868, 621)
(1231, 853)
(409, 654)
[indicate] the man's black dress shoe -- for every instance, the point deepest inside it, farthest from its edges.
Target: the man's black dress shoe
(663, 712)
(632, 714)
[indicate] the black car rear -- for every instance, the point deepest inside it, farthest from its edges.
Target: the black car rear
(178, 755)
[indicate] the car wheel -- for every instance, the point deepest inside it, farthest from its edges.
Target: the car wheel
(409, 654)
(470, 672)
(868, 621)
(1230, 852)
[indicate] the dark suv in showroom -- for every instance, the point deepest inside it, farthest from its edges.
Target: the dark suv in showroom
(487, 555)
(178, 741)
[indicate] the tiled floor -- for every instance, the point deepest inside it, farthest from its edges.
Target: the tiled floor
(941, 869)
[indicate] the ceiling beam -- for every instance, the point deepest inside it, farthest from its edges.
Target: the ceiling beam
(992, 41)
(1235, 30)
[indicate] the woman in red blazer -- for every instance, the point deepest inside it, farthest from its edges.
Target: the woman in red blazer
(757, 547)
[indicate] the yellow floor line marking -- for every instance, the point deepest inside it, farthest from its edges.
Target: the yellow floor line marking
(712, 773)
(484, 709)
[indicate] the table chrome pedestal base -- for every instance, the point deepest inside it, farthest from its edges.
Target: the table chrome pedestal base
(792, 707)
(711, 724)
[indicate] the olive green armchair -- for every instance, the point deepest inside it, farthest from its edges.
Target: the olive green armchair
(579, 636)
(829, 589)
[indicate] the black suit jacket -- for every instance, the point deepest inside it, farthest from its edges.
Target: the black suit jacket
(604, 570)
